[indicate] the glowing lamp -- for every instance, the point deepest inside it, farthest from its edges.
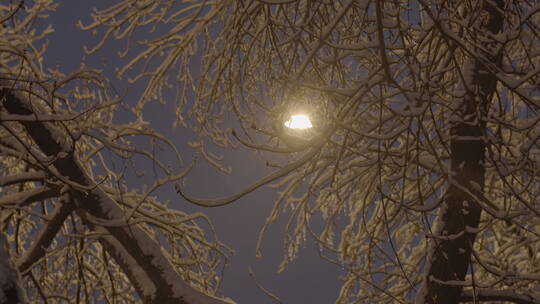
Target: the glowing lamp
(299, 121)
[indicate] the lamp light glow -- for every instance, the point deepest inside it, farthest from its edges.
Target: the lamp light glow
(299, 121)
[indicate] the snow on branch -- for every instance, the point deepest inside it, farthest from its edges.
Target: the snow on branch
(127, 242)
(482, 295)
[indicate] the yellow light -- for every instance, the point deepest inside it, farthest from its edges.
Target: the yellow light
(299, 122)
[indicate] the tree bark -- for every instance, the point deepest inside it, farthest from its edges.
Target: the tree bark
(450, 254)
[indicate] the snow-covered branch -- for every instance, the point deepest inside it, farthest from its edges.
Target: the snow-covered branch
(484, 295)
(46, 236)
(127, 242)
(22, 178)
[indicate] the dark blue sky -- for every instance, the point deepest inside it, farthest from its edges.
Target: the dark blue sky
(307, 280)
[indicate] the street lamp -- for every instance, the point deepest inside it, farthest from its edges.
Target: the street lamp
(299, 121)
(303, 118)
(300, 125)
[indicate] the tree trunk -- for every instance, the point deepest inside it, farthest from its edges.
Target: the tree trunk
(450, 254)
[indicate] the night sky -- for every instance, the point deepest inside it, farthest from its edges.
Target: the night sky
(309, 279)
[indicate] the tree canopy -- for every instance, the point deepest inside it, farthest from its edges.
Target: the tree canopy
(422, 161)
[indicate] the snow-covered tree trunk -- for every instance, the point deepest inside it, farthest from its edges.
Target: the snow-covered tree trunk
(450, 255)
(10, 290)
